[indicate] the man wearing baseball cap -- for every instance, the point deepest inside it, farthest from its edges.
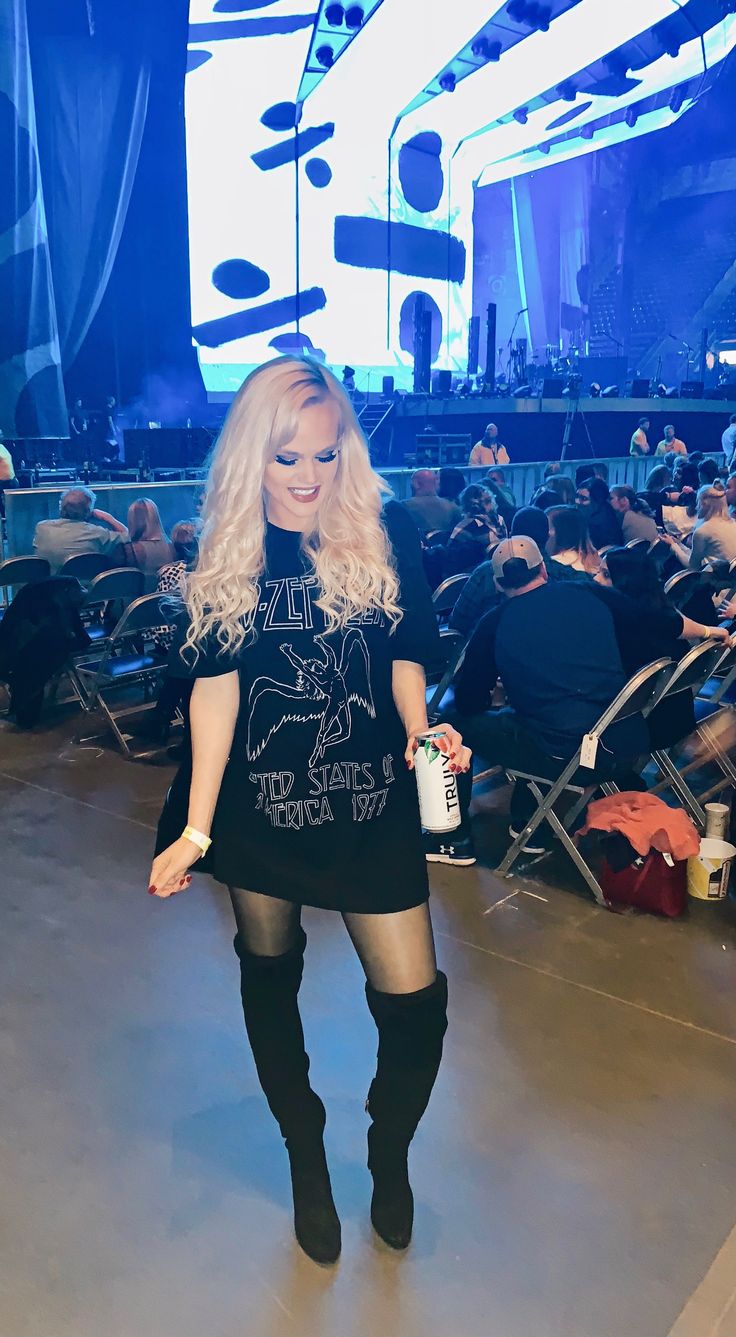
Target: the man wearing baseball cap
(554, 647)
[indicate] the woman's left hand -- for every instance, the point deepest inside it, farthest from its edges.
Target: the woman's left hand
(451, 744)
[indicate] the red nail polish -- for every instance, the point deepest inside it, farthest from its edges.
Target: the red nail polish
(152, 891)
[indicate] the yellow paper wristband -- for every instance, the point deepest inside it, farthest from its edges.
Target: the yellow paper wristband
(197, 838)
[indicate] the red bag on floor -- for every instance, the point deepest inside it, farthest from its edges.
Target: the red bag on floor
(650, 883)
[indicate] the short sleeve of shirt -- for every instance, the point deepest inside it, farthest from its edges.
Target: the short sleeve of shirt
(416, 637)
(211, 661)
(108, 540)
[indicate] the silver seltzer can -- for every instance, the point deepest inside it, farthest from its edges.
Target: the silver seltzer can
(439, 807)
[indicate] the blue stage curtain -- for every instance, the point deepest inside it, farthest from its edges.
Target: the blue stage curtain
(31, 390)
(91, 96)
(551, 225)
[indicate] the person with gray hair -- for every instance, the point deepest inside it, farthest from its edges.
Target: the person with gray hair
(75, 532)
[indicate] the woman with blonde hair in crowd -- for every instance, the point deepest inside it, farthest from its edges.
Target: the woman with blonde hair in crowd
(306, 624)
(149, 549)
(714, 534)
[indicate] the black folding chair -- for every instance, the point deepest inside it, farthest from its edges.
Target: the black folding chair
(453, 645)
(127, 662)
(638, 697)
(447, 594)
(17, 571)
(694, 670)
(108, 595)
(85, 566)
(717, 690)
(681, 587)
(640, 545)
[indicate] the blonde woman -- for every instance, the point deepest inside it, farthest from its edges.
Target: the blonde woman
(307, 623)
(714, 535)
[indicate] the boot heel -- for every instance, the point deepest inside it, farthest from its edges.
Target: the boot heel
(316, 1223)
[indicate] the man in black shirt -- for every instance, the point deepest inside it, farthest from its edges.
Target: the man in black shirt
(481, 593)
(555, 649)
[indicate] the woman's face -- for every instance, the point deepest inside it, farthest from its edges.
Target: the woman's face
(298, 480)
(582, 497)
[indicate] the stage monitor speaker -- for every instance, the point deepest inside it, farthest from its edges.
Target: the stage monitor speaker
(691, 390)
(640, 388)
(422, 346)
(490, 368)
(473, 345)
(443, 383)
(387, 387)
(552, 387)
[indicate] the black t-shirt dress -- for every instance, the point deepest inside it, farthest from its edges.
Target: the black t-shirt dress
(317, 805)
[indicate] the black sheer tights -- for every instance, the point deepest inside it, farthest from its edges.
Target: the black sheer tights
(396, 951)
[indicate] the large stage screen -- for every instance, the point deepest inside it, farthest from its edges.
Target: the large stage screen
(323, 201)
(265, 227)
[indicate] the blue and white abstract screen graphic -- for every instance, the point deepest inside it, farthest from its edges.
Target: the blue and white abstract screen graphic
(314, 225)
(350, 249)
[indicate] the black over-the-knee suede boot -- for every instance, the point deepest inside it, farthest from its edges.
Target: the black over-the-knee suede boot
(269, 986)
(411, 1029)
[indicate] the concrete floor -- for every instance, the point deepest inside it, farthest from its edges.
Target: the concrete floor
(575, 1175)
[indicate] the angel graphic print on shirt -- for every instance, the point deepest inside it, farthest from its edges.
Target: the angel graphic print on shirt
(309, 722)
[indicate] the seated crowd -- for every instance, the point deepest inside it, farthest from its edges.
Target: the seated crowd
(557, 616)
(83, 528)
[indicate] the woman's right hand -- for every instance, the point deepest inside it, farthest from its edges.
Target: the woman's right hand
(169, 869)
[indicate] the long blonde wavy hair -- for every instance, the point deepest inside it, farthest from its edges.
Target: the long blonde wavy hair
(348, 547)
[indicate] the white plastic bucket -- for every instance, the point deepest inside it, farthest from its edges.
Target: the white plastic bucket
(708, 872)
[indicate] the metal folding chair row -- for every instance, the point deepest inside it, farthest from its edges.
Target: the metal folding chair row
(695, 671)
(127, 662)
(682, 587)
(647, 688)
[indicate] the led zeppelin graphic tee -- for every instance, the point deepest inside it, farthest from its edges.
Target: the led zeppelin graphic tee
(317, 805)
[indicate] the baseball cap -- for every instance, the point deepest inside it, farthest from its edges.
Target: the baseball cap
(512, 552)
